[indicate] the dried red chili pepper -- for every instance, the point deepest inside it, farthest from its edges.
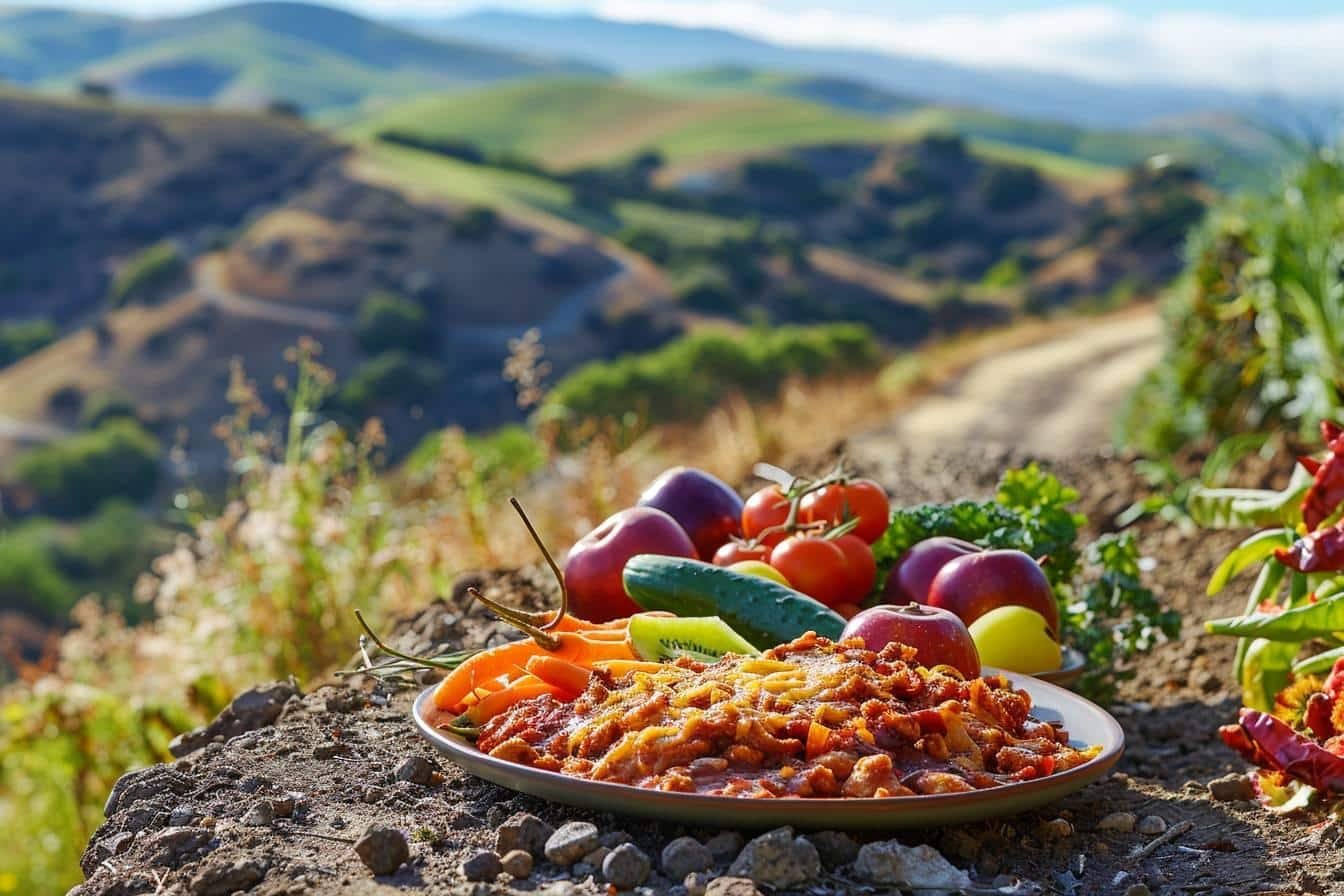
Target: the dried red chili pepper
(1316, 716)
(1319, 551)
(1326, 491)
(1269, 743)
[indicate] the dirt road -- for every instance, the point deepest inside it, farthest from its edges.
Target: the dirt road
(1051, 398)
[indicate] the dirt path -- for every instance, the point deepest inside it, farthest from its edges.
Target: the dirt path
(1051, 398)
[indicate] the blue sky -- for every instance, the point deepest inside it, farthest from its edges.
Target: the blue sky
(1291, 46)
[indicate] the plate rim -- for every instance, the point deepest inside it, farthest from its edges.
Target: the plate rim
(1094, 769)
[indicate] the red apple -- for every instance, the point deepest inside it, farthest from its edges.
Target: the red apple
(972, 585)
(704, 505)
(595, 563)
(938, 636)
(910, 578)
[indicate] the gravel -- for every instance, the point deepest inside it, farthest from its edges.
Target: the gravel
(383, 849)
(835, 848)
(725, 845)
(778, 859)
(683, 856)
(920, 868)
(517, 863)
(571, 842)
(1234, 788)
(417, 770)
(523, 831)
(626, 867)
(1152, 824)
(1121, 822)
(731, 886)
(483, 865)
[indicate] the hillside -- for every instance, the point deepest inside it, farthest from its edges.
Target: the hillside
(571, 122)
(98, 184)
(639, 48)
(316, 56)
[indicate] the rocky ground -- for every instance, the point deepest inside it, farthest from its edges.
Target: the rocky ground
(332, 791)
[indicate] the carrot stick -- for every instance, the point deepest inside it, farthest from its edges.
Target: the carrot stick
(567, 676)
(524, 689)
(575, 647)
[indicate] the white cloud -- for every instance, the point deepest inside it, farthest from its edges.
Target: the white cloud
(1299, 55)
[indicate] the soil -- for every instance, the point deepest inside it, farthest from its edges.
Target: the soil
(328, 767)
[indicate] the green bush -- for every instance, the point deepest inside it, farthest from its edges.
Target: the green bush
(396, 378)
(30, 577)
(1003, 188)
(652, 244)
(687, 377)
(388, 322)
(477, 223)
(19, 339)
(1255, 329)
(706, 288)
(147, 275)
(106, 406)
(74, 476)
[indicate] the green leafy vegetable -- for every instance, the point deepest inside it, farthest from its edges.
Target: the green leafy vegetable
(1299, 624)
(1256, 549)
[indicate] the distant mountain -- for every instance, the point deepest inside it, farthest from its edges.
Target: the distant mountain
(316, 56)
(848, 94)
(641, 48)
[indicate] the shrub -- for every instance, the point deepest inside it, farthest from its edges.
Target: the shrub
(647, 241)
(30, 578)
(1003, 188)
(388, 322)
(396, 378)
(477, 223)
(452, 147)
(706, 288)
(688, 376)
(146, 276)
(1255, 336)
(105, 406)
(18, 339)
(74, 476)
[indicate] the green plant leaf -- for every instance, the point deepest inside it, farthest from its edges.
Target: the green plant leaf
(1321, 662)
(1241, 508)
(1253, 550)
(1266, 670)
(1317, 620)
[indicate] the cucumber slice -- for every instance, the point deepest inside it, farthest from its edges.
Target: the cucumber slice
(703, 638)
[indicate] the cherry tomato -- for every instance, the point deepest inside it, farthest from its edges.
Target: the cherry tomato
(863, 499)
(736, 551)
(767, 508)
(862, 566)
(814, 566)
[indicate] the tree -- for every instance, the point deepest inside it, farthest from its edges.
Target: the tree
(388, 322)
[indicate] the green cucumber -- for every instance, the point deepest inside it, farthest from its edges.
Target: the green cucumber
(703, 638)
(765, 613)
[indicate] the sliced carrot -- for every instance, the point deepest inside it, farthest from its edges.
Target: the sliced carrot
(524, 689)
(567, 676)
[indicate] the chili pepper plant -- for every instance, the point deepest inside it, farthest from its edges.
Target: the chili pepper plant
(1290, 650)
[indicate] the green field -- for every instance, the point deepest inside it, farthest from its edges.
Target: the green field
(527, 194)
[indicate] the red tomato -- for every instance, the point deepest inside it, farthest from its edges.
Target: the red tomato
(767, 508)
(863, 499)
(736, 551)
(814, 566)
(862, 566)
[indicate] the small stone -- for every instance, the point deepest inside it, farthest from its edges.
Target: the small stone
(834, 847)
(731, 886)
(597, 857)
(484, 866)
(696, 883)
(683, 856)
(571, 842)
(1057, 829)
(523, 831)
(517, 863)
(261, 815)
(626, 867)
(1152, 824)
(1139, 890)
(920, 868)
(417, 770)
(283, 806)
(725, 845)
(1232, 789)
(580, 870)
(1121, 822)
(182, 816)
(373, 795)
(221, 879)
(383, 849)
(778, 860)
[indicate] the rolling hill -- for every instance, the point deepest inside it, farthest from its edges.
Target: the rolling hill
(643, 48)
(319, 57)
